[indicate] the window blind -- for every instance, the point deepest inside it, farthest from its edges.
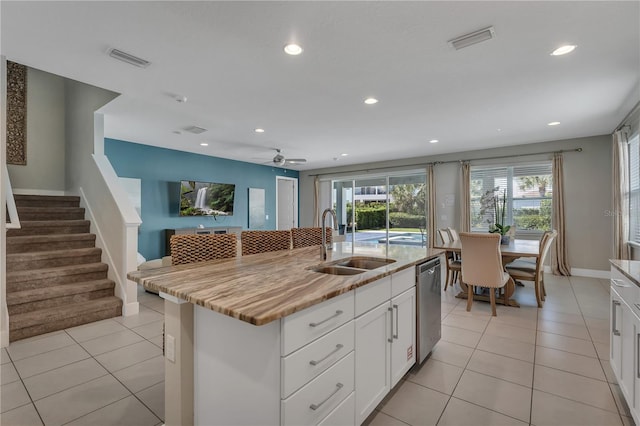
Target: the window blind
(634, 189)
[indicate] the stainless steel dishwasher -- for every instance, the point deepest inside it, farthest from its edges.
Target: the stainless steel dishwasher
(428, 310)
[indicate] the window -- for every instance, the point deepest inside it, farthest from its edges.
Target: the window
(634, 189)
(528, 189)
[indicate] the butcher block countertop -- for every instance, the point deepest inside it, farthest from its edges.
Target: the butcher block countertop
(629, 268)
(261, 288)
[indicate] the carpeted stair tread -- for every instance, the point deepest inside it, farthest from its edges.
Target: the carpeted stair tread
(41, 227)
(29, 243)
(49, 259)
(46, 200)
(30, 213)
(57, 318)
(20, 276)
(32, 295)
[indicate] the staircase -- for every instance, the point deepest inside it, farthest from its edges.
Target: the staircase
(55, 279)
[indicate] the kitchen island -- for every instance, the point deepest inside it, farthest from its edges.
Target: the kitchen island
(250, 340)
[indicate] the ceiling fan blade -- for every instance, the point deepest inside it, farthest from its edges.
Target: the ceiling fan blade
(296, 160)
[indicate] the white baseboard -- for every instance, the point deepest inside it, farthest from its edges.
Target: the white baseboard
(582, 272)
(23, 191)
(593, 273)
(4, 338)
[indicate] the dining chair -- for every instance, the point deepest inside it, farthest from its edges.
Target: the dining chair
(482, 266)
(305, 237)
(253, 242)
(453, 264)
(525, 271)
(453, 234)
(189, 248)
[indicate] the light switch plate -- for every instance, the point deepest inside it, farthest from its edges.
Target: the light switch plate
(170, 348)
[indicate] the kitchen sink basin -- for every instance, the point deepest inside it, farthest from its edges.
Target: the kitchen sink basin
(337, 270)
(365, 262)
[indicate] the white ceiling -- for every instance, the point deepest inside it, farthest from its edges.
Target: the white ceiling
(227, 58)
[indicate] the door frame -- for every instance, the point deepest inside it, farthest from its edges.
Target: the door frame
(295, 198)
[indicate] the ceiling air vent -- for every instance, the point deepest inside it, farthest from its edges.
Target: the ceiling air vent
(128, 58)
(195, 130)
(472, 38)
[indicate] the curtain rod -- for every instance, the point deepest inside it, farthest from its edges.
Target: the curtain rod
(453, 161)
(624, 123)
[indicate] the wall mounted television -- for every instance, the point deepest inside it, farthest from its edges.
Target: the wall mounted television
(206, 198)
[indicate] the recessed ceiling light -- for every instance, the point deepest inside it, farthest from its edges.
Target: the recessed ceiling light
(553, 123)
(370, 101)
(433, 141)
(499, 130)
(563, 50)
(259, 130)
(344, 155)
(204, 144)
(292, 49)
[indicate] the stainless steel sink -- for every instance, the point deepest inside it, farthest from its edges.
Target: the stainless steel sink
(337, 270)
(362, 262)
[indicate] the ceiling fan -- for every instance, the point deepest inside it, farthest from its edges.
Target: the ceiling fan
(280, 160)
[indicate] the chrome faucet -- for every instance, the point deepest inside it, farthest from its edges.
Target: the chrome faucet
(323, 247)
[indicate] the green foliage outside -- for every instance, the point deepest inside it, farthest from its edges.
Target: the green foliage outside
(537, 219)
(406, 220)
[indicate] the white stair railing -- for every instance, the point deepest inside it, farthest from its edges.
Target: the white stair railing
(14, 221)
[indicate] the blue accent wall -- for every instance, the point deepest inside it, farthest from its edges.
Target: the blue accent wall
(161, 171)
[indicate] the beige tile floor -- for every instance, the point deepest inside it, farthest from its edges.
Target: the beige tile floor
(526, 366)
(531, 366)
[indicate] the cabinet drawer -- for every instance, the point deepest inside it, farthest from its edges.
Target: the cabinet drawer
(317, 399)
(627, 290)
(371, 295)
(343, 415)
(306, 363)
(403, 281)
(302, 327)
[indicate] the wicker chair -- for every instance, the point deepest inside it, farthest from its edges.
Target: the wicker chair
(201, 247)
(263, 241)
(305, 237)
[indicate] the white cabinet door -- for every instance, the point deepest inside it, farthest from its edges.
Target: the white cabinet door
(373, 354)
(403, 348)
(635, 409)
(627, 326)
(615, 356)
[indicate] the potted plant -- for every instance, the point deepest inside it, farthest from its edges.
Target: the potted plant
(492, 202)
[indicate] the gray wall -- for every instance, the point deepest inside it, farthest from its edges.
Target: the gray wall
(587, 191)
(81, 101)
(45, 166)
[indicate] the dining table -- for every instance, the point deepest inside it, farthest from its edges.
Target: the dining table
(515, 249)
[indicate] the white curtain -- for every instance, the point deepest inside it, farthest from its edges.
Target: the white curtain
(431, 207)
(316, 201)
(560, 261)
(620, 196)
(465, 197)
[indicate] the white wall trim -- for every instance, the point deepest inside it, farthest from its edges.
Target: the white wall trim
(128, 308)
(25, 191)
(582, 272)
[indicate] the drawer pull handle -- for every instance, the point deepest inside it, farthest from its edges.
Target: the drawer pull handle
(390, 339)
(395, 336)
(315, 324)
(338, 347)
(638, 355)
(316, 406)
(614, 325)
(619, 283)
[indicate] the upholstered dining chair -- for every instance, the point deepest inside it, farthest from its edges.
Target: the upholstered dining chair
(453, 264)
(201, 247)
(305, 237)
(524, 270)
(482, 266)
(264, 241)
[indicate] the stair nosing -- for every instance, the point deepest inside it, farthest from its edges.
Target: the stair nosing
(54, 254)
(24, 294)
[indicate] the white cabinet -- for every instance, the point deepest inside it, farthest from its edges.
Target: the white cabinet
(625, 339)
(373, 359)
(403, 353)
(385, 339)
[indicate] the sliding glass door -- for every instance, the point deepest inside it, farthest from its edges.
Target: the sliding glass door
(389, 209)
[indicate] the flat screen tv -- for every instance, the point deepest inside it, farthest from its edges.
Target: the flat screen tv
(206, 198)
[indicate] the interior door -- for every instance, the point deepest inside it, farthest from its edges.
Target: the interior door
(287, 214)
